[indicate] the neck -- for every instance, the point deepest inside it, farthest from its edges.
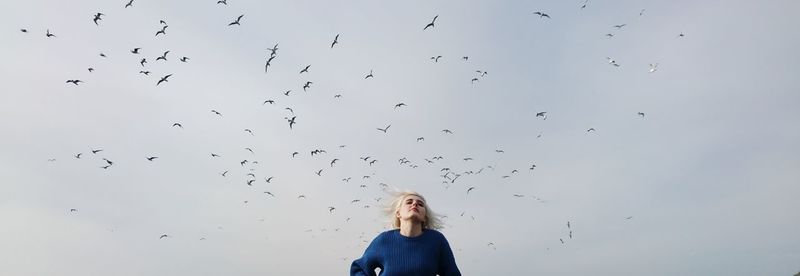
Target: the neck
(410, 228)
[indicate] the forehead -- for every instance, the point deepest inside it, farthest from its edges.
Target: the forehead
(413, 197)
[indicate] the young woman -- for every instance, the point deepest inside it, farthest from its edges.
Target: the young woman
(413, 247)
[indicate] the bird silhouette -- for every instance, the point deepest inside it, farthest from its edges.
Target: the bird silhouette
(334, 161)
(399, 105)
(436, 58)
(269, 62)
(447, 131)
(225, 2)
(384, 129)
(74, 81)
(369, 75)
(163, 79)
(319, 172)
(163, 236)
(162, 31)
(97, 18)
(335, 41)
(653, 67)
(143, 61)
(307, 85)
(431, 25)
(236, 22)
(641, 114)
(151, 158)
(130, 4)
(269, 179)
(541, 14)
(305, 70)
(135, 50)
(163, 57)
(619, 26)
(590, 129)
(216, 112)
(292, 121)
(144, 72)
(48, 34)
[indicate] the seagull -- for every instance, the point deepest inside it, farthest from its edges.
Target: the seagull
(436, 58)
(399, 105)
(268, 102)
(369, 75)
(48, 34)
(273, 50)
(335, 41)
(465, 58)
(334, 161)
(250, 182)
(162, 31)
(130, 4)
(431, 24)
(223, 2)
(72, 210)
(542, 114)
(151, 158)
(143, 61)
(610, 35)
(135, 50)
(447, 131)
(307, 85)
(216, 112)
(584, 4)
(373, 162)
(287, 92)
(319, 172)
(384, 129)
(292, 121)
(163, 79)
(144, 72)
(224, 173)
(420, 139)
(97, 18)
(630, 217)
(23, 30)
(641, 114)
(162, 22)
(163, 236)
(619, 26)
(541, 14)
(184, 59)
(236, 22)
(91, 69)
(269, 194)
(470, 189)
(269, 179)
(533, 166)
(653, 67)
(214, 155)
(590, 129)
(305, 70)
(330, 209)
(474, 80)
(568, 227)
(163, 57)
(78, 156)
(74, 81)
(612, 61)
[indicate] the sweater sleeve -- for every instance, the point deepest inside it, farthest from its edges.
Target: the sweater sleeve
(447, 262)
(365, 266)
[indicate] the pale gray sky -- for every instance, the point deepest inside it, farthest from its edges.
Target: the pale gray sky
(709, 174)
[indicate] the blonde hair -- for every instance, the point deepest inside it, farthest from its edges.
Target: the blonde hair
(431, 219)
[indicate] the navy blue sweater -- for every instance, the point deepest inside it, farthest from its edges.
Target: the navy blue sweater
(396, 255)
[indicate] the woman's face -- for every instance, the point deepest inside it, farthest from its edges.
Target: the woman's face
(412, 208)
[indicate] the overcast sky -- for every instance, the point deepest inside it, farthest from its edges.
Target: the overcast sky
(704, 181)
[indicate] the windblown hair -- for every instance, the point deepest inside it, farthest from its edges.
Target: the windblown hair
(431, 219)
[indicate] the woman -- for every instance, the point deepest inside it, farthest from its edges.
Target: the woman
(413, 247)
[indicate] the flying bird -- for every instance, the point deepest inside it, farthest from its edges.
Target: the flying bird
(436, 58)
(97, 18)
(151, 158)
(23, 30)
(369, 75)
(163, 236)
(590, 129)
(431, 25)
(225, 2)
(307, 85)
(143, 61)
(542, 114)
(163, 57)
(470, 189)
(334, 161)
(641, 114)
(48, 34)
(135, 50)
(163, 79)
(384, 129)
(541, 14)
(319, 172)
(399, 105)
(177, 125)
(184, 59)
(653, 67)
(619, 26)
(216, 112)
(305, 70)
(144, 72)
(162, 31)
(335, 41)
(236, 22)
(269, 62)
(130, 4)
(292, 121)
(447, 131)
(74, 81)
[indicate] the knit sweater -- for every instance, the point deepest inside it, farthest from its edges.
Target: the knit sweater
(397, 255)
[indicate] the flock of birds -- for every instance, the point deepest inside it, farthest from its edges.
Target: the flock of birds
(449, 174)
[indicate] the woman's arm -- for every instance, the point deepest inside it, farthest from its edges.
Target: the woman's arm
(447, 262)
(367, 264)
